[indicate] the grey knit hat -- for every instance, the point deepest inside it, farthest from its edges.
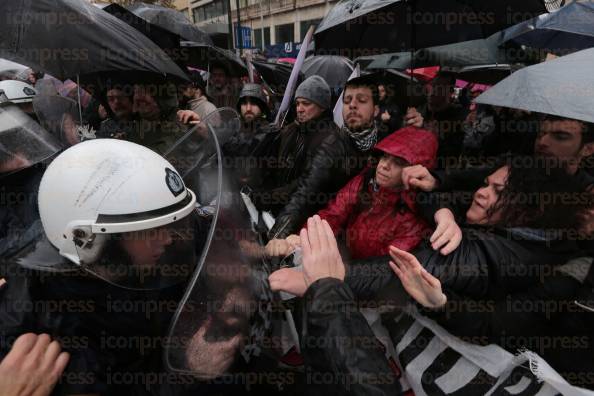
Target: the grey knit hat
(315, 89)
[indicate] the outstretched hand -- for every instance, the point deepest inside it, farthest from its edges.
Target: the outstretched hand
(420, 284)
(321, 258)
(32, 367)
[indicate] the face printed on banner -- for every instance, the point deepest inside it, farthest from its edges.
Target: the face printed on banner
(358, 108)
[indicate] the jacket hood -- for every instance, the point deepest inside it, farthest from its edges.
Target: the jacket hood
(416, 146)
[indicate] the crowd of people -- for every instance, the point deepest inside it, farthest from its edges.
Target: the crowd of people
(446, 207)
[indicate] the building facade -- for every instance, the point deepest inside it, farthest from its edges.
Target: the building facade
(265, 23)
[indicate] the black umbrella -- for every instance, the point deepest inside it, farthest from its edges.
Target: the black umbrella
(486, 74)
(276, 75)
(171, 20)
(569, 29)
(205, 56)
(69, 38)
(166, 40)
(561, 87)
(353, 27)
(334, 69)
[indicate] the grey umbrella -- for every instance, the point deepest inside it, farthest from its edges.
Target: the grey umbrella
(334, 69)
(562, 87)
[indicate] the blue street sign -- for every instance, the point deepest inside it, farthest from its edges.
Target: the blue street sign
(246, 37)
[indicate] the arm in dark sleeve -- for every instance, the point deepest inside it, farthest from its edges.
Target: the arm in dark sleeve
(323, 176)
(338, 340)
(519, 314)
(367, 277)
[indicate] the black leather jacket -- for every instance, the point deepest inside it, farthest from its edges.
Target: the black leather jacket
(339, 344)
(336, 161)
(489, 263)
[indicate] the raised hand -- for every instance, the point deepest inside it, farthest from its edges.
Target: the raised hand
(447, 235)
(421, 285)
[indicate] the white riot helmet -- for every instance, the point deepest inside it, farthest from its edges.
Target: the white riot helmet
(18, 91)
(120, 211)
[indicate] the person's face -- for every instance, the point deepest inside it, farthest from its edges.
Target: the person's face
(14, 162)
(187, 92)
(562, 139)
(120, 104)
(146, 247)
(307, 110)
(439, 94)
(388, 173)
(486, 197)
(70, 130)
(249, 110)
(381, 91)
(145, 104)
(358, 109)
(218, 77)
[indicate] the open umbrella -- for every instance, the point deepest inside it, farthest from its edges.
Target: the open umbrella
(486, 74)
(561, 87)
(569, 29)
(353, 27)
(204, 56)
(88, 42)
(275, 75)
(171, 20)
(334, 69)
(165, 39)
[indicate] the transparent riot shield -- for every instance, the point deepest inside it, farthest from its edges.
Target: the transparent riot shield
(23, 142)
(226, 316)
(59, 116)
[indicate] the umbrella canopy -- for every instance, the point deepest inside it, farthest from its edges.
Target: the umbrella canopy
(171, 20)
(486, 74)
(165, 39)
(275, 75)
(204, 56)
(334, 69)
(569, 29)
(380, 26)
(88, 42)
(561, 87)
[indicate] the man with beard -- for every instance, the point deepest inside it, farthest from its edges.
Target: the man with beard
(255, 117)
(340, 156)
(160, 123)
(220, 87)
(193, 96)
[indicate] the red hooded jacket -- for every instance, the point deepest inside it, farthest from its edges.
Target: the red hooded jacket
(391, 218)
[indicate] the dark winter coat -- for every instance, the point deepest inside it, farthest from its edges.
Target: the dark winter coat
(339, 346)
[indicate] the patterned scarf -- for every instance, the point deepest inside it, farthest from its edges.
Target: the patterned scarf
(364, 140)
